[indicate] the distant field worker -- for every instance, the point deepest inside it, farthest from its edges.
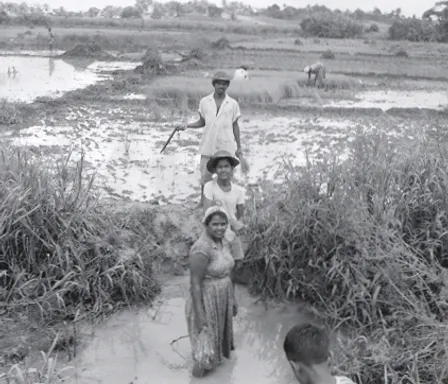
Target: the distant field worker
(218, 115)
(241, 73)
(318, 70)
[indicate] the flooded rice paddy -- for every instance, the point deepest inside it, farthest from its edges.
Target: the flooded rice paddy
(50, 77)
(150, 345)
(126, 156)
(385, 100)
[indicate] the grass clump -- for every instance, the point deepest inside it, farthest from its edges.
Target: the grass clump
(401, 53)
(328, 54)
(365, 242)
(14, 113)
(221, 43)
(62, 254)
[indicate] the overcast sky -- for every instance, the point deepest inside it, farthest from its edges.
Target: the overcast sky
(408, 7)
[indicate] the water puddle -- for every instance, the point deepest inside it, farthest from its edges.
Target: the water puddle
(395, 99)
(150, 345)
(112, 66)
(49, 77)
(128, 163)
(39, 53)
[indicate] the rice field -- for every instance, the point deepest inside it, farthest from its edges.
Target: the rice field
(346, 210)
(264, 87)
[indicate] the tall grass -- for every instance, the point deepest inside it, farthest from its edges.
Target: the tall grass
(62, 254)
(365, 242)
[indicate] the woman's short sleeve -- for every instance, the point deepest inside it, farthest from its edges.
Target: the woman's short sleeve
(200, 248)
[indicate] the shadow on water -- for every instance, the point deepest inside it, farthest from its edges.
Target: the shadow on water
(150, 345)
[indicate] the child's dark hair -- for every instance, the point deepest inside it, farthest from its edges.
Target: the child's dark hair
(307, 344)
(209, 218)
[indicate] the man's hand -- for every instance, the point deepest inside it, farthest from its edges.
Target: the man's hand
(238, 152)
(182, 127)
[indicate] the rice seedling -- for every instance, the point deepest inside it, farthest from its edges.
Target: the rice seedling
(61, 252)
(262, 88)
(368, 251)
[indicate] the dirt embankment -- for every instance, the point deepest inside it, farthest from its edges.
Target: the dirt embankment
(92, 51)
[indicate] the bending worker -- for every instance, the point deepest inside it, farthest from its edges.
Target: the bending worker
(318, 70)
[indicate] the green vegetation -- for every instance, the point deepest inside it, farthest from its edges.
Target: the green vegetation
(331, 26)
(260, 89)
(365, 242)
(63, 253)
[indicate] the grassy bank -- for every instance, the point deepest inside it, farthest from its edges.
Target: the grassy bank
(365, 243)
(65, 256)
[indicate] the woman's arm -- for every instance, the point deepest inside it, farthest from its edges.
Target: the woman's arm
(208, 196)
(198, 265)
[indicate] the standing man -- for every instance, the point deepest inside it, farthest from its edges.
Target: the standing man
(218, 115)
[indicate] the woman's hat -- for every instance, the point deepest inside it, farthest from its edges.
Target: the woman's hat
(211, 164)
(212, 210)
(221, 76)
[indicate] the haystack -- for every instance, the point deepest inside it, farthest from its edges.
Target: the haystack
(88, 51)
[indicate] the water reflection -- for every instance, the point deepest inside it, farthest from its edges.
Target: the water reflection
(50, 66)
(27, 78)
(150, 345)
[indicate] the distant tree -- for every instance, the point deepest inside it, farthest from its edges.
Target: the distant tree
(328, 25)
(4, 18)
(110, 11)
(93, 12)
(60, 11)
(143, 5)
(131, 13)
(214, 11)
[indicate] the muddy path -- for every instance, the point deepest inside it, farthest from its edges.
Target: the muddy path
(149, 345)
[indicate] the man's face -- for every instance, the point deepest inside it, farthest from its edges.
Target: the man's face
(221, 87)
(224, 169)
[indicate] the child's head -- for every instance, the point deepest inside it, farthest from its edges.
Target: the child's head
(307, 348)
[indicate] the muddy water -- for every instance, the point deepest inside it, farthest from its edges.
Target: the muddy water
(396, 99)
(49, 76)
(127, 159)
(137, 346)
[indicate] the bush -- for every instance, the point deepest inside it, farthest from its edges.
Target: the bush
(365, 242)
(328, 54)
(414, 30)
(401, 53)
(221, 43)
(373, 28)
(61, 252)
(298, 42)
(331, 26)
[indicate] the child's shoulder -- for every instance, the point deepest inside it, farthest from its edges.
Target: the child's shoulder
(343, 380)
